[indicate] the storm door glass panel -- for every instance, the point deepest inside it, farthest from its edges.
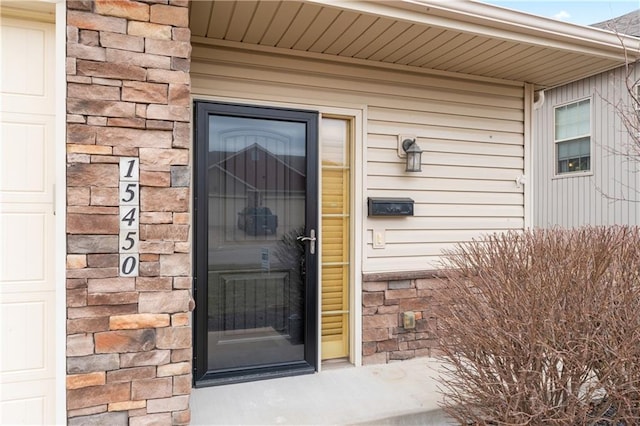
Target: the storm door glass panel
(256, 211)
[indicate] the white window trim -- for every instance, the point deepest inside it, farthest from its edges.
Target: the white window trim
(61, 210)
(578, 173)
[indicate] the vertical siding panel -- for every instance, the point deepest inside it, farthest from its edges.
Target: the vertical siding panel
(553, 184)
(587, 182)
(600, 168)
(605, 172)
(598, 160)
(543, 190)
(609, 196)
(610, 184)
(545, 177)
(558, 207)
(548, 183)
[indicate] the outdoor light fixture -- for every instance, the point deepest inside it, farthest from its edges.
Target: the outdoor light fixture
(414, 155)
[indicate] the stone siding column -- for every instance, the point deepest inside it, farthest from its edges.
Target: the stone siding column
(129, 345)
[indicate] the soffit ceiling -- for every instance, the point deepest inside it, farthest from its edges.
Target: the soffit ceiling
(480, 40)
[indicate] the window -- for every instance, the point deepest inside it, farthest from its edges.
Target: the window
(573, 137)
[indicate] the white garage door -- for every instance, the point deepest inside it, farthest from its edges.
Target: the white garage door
(27, 290)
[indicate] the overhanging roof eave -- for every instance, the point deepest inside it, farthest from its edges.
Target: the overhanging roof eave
(495, 22)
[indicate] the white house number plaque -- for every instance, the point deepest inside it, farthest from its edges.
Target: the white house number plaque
(129, 203)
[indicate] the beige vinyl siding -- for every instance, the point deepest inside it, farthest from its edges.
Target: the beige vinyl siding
(607, 195)
(471, 132)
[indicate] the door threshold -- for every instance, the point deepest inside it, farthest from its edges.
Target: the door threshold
(335, 364)
(233, 377)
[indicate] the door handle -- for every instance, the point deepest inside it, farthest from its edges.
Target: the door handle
(312, 240)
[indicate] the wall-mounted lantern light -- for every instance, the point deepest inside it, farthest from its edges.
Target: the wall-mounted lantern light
(414, 155)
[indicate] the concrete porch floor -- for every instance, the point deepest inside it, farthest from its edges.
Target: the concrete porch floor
(403, 393)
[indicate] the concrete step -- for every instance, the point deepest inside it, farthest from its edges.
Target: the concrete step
(423, 418)
(402, 393)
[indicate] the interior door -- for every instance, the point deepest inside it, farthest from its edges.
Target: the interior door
(255, 242)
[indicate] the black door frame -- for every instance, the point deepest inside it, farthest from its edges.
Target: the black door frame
(201, 376)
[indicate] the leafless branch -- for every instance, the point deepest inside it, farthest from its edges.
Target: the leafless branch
(542, 327)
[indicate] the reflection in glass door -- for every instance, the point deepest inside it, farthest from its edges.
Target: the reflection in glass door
(256, 186)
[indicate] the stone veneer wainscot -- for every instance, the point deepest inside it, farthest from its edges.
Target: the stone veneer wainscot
(385, 298)
(128, 95)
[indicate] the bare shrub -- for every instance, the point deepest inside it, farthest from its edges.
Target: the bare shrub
(543, 327)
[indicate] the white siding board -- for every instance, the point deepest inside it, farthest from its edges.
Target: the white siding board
(443, 119)
(409, 250)
(471, 132)
(430, 171)
(457, 107)
(471, 160)
(465, 210)
(609, 195)
(430, 157)
(436, 132)
(404, 184)
(432, 236)
(451, 146)
(407, 263)
(439, 85)
(348, 83)
(480, 225)
(456, 197)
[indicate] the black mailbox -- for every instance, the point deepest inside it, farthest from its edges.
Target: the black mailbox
(390, 206)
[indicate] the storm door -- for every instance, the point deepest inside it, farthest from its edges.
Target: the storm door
(255, 242)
